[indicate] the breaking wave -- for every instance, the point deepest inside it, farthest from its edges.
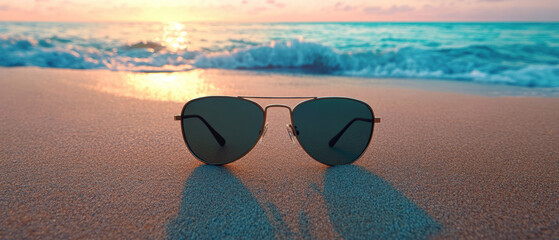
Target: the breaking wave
(535, 65)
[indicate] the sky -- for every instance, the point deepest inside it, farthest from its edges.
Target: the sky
(277, 10)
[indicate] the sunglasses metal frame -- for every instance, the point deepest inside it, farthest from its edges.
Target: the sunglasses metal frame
(263, 128)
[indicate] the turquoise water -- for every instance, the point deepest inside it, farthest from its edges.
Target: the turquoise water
(521, 54)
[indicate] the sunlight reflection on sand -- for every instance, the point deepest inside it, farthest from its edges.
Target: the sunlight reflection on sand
(176, 87)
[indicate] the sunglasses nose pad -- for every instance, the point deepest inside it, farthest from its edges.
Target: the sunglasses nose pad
(290, 132)
(263, 133)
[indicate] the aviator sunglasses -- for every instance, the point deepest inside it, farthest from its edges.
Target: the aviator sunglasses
(221, 129)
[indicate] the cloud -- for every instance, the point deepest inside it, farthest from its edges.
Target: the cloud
(5, 7)
(392, 10)
(257, 10)
(427, 6)
(273, 2)
(339, 6)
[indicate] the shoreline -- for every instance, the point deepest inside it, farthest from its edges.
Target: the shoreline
(97, 154)
(286, 77)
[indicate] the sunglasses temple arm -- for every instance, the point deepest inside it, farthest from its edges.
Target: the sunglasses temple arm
(335, 139)
(220, 140)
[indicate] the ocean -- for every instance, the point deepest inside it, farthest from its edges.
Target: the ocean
(519, 54)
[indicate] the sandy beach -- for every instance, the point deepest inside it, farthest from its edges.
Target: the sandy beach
(96, 154)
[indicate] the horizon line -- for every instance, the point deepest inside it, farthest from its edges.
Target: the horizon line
(280, 22)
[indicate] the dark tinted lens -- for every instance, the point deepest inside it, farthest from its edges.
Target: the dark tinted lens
(220, 130)
(333, 130)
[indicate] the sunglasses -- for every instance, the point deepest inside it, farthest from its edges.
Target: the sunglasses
(333, 130)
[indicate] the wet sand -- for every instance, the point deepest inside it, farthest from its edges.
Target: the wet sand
(96, 154)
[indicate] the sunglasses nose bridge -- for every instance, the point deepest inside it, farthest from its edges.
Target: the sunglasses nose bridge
(290, 129)
(278, 106)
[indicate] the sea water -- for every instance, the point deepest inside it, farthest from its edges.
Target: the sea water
(521, 54)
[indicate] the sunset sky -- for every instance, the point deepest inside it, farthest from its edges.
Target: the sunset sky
(278, 10)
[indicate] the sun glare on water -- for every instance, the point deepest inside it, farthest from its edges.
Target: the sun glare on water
(175, 37)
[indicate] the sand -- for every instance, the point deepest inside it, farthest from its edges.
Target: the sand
(96, 154)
